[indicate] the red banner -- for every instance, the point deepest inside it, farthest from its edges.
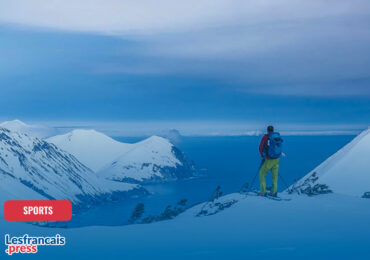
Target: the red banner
(38, 210)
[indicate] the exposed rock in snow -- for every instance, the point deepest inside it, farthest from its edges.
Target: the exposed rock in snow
(32, 130)
(215, 206)
(321, 227)
(153, 159)
(345, 172)
(170, 212)
(52, 173)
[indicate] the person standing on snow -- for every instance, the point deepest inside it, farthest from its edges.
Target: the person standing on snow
(270, 149)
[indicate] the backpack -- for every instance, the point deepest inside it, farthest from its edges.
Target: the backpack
(275, 145)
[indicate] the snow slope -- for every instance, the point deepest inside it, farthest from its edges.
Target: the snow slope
(32, 130)
(11, 189)
(332, 226)
(345, 172)
(51, 172)
(153, 159)
(92, 148)
(235, 226)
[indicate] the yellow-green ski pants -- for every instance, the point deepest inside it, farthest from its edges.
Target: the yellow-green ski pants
(273, 166)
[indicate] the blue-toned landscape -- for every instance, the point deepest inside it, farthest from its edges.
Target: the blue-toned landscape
(238, 162)
(312, 210)
(136, 129)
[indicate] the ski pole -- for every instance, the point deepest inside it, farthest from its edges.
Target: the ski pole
(281, 177)
(254, 178)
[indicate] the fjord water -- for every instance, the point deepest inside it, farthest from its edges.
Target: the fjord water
(225, 161)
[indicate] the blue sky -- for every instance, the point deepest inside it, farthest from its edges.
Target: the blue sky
(228, 62)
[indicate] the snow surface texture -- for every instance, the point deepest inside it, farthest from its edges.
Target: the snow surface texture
(215, 206)
(331, 226)
(42, 167)
(153, 159)
(31, 130)
(345, 172)
(12, 189)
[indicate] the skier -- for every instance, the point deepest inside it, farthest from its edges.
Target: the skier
(270, 149)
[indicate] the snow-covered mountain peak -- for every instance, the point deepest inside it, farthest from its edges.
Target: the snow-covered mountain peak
(39, 131)
(16, 126)
(88, 134)
(153, 150)
(91, 147)
(50, 171)
(14, 123)
(154, 158)
(156, 138)
(155, 141)
(345, 172)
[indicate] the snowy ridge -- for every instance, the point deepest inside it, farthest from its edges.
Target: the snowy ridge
(50, 172)
(32, 130)
(344, 172)
(151, 160)
(92, 148)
